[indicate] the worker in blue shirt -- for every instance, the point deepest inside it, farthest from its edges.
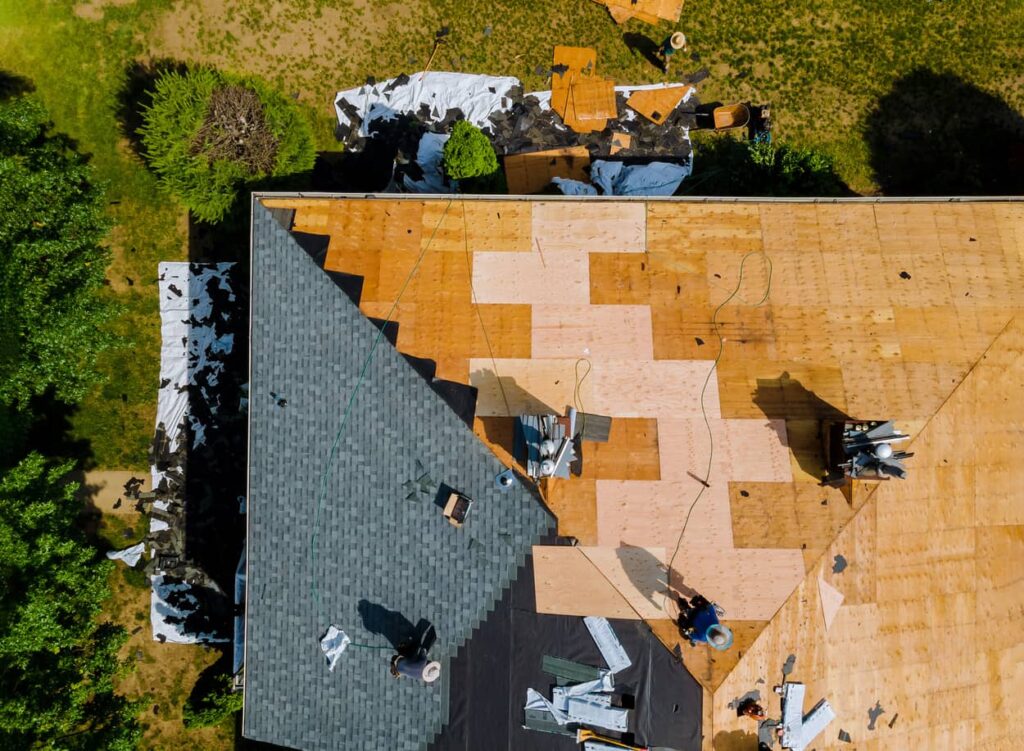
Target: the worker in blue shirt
(698, 622)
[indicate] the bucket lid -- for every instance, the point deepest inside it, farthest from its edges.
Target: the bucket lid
(432, 671)
(678, 40)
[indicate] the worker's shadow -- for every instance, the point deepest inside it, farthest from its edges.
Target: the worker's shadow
(786, 398)
(649, 576)
(406, 638)
(644, 46)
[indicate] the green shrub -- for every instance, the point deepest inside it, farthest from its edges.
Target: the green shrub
(468, 153)
(213, 707)
(725, 166)
(207, 134)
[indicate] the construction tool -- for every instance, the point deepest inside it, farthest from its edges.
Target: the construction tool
(583, 735)
(440, 37)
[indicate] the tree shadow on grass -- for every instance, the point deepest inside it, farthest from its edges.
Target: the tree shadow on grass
(936, 134)
(135, 95)
(12, 85)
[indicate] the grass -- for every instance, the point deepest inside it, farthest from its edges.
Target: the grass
(823, 64)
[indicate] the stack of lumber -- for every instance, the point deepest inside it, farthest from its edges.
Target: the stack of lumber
(583, 99)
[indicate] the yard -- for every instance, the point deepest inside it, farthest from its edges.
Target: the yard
(824, 66)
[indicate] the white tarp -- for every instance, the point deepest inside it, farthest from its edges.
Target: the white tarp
(190, 346)
(171, 603)
(333, 644)
(430, 158)
(476, 95)
(131, 555)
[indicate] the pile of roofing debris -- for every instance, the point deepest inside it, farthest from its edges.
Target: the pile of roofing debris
(621, 141)
(196, 304)
(576, 703)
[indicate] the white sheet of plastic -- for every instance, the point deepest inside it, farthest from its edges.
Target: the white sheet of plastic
(430, 157)
(333, 644)
(131, 555)
(654, 179)
(476, 95)
(166, 618)
(534, 700)
(608, 643)
(189, 339)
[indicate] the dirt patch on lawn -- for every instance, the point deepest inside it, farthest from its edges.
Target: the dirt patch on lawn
(310, 51)
(163, 675)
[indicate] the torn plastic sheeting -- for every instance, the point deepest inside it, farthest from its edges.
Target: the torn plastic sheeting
(131, 555)
(608, 643)
(477, 96)
(333, 644)
(168, 618)
(653, 179)
(534, 700)
(430, 158)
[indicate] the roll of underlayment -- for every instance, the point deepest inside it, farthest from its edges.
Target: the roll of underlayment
(421, 669)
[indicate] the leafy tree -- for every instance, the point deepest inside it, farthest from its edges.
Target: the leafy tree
(468, 153)
(725, 166)
(57, 664)
(52, 265)
(213, 707)
(207, 134)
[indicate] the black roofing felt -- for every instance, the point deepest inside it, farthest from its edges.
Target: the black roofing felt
(491, 673)
(386, 558)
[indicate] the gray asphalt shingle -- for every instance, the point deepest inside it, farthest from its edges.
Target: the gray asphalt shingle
(308, 345)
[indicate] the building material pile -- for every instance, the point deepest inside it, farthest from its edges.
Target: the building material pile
(649, 11)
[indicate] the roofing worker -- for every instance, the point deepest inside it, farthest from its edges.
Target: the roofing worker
(676, 42)
(698, 622)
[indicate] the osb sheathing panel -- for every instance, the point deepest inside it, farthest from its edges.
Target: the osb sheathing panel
(574, 504)
(567, 583)
(532, 172)
(930, 625)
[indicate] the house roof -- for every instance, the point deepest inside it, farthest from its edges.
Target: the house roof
(875, 309)
(376, 556)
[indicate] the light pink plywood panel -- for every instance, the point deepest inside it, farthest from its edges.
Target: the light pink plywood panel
(598, 332)
(526, 278)
(589, 227)
(750, 583)
(653, 514)
(744, 449)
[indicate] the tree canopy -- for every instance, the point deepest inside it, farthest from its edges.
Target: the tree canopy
(206, 134)
(57, 663)
(52, 264)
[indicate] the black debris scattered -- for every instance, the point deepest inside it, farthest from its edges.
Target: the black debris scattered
(839, 564)
(874, 713)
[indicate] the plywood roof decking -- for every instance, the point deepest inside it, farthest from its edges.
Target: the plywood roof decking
(930, 624)
(841, 332)
(533, 171)
(650, 11)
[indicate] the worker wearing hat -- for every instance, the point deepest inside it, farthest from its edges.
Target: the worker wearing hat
(676, 42)
(698, 622)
